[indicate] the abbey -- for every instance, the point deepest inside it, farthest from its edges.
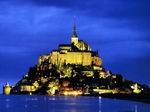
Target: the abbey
(77, 52)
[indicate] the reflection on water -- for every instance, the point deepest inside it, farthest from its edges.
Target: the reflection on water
(22, 103)
(135, 109)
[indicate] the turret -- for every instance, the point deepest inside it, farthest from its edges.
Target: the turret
(6, 89)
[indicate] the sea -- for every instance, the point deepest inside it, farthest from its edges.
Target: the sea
(33, 103)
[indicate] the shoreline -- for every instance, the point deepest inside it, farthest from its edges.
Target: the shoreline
(142, 98)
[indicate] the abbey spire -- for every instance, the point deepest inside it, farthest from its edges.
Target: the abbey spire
(74, 38)
(74, 29)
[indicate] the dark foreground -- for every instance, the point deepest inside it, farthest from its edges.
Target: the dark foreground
(23, 103)
(144, 98)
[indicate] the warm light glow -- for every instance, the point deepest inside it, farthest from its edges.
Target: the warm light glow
(72, 93)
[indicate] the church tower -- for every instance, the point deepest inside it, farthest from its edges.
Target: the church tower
(74, 38)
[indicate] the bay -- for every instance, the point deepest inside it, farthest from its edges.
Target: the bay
(33, 103)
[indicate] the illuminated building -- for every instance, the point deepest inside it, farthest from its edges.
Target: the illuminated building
(76, 53)
(7, 89)
(136, 88)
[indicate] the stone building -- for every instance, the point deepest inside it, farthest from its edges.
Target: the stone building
(77, 52)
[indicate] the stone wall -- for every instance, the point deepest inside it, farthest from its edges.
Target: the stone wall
(79, 58)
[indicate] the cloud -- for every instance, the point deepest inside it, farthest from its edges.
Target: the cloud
(96, 8)
(27, 25)
(105, 8)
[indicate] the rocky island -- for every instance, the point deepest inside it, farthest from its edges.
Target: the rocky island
(75, 69)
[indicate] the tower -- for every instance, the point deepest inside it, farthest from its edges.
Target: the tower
(7, 89)
(74, 38)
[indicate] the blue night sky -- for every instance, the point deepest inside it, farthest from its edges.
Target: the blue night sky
(118, 29)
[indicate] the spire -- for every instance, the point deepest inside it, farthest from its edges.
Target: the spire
(74, 28)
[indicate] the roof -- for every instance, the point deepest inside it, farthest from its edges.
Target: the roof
(81, 41)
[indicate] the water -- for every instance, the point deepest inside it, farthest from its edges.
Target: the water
(23, 103)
